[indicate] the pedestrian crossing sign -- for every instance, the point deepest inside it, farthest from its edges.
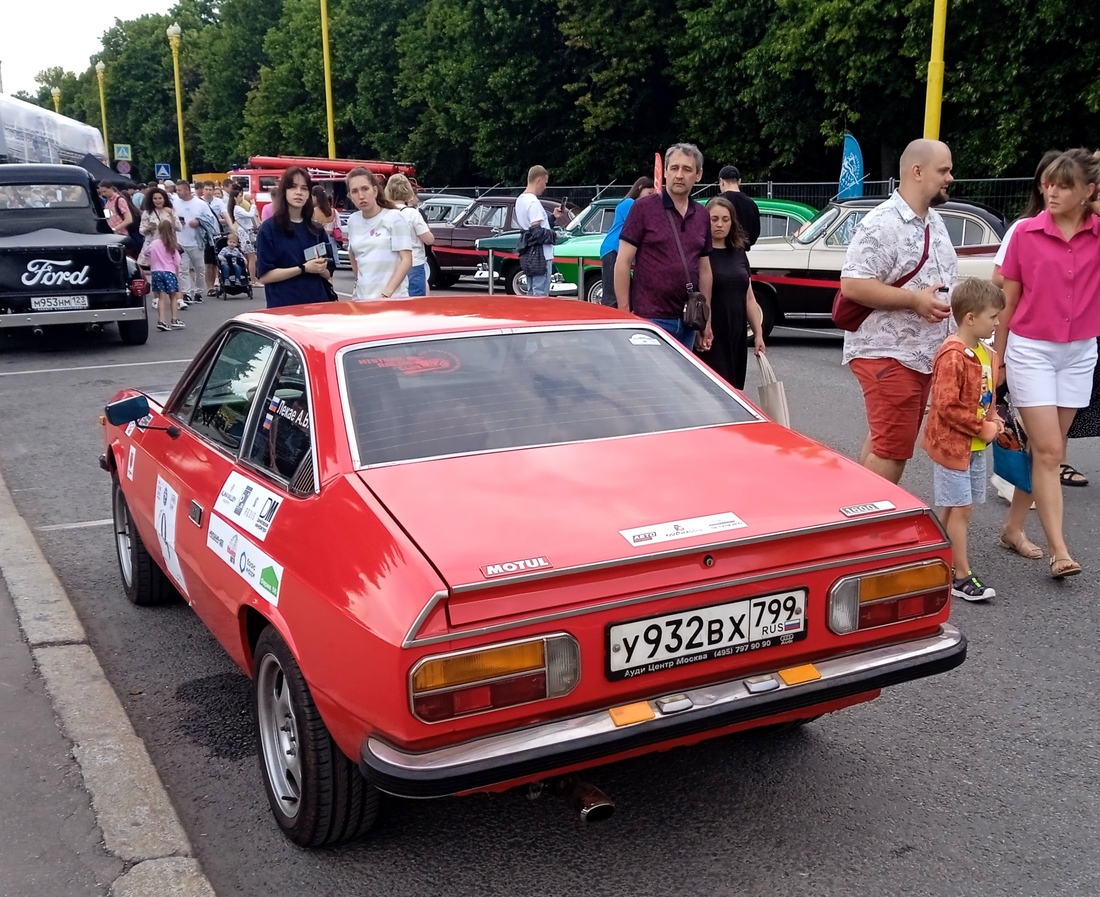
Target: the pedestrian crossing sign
(162, 171)
(123, 153)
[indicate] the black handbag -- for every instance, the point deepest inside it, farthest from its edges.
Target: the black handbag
(696, 308)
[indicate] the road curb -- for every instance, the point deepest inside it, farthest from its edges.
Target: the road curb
(133, 811)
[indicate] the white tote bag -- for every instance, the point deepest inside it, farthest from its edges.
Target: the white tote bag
(773, 397)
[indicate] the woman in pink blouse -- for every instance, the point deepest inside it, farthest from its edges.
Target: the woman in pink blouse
(1048, 330)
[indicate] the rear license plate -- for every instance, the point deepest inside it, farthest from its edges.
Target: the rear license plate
(706, 633)
(56, 303)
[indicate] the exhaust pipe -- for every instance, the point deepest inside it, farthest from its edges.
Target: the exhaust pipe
(95, 328)
(37, 332)
(585, 799)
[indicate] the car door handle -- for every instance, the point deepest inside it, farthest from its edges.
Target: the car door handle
(195, 514)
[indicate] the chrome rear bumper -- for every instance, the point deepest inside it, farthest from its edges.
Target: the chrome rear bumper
(72, 316)
(592, 736)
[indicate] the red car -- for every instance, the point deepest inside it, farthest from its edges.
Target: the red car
(465, 544)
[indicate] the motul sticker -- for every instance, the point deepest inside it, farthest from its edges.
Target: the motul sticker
(511, 568)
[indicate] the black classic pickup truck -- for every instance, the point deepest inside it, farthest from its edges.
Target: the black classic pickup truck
(59, 261)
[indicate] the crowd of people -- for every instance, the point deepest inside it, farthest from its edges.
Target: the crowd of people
(930, 338)
(961, 358)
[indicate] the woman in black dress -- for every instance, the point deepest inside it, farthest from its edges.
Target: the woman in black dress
(732, 304)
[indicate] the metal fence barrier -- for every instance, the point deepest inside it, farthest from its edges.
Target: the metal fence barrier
(1007, 196)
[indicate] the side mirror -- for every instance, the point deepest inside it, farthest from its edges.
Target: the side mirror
(125, 411)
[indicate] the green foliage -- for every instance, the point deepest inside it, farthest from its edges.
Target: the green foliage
(479, 90)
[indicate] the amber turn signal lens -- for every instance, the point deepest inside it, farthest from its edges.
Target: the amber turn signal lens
(856, 602)
(905, 581)
(476, 666)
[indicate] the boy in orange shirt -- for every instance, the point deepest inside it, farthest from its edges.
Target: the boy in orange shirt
(962, 421)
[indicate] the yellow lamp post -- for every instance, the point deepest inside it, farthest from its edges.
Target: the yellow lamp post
(100, 68)
(55, 92)
(173, 31)
(328, 80)
(934, 98)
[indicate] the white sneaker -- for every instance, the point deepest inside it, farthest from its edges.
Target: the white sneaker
(1004, 488)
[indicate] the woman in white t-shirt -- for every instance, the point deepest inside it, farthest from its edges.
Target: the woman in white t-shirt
(400, 192)
(242, 211)
(379, 241)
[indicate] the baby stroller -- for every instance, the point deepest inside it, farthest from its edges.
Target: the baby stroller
(243, 286)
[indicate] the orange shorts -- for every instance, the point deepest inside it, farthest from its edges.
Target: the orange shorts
(896, 397)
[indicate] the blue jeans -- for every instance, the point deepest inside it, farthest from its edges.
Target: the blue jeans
(418, 283)
(539, 285)
(231, 269)
(676, 327)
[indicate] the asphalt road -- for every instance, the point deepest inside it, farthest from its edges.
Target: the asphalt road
(984, 782)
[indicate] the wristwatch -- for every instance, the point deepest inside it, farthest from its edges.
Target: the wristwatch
(302, 268)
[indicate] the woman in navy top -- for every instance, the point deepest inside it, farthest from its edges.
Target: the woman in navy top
(288, 275)
(609, 248)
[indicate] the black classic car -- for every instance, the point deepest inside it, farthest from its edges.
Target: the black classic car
(60, 263)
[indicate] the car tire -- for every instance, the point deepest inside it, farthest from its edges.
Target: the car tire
(144, 583)
(593, 288)
(433, 273)
(317, 794)
(134, 333)
(515, 281)
(765, 298)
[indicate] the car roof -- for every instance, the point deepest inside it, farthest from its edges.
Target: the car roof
(328, 326)
(42, 174)
(444, 197)
(986, 213)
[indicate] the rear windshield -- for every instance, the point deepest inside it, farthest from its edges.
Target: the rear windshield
(43, 196)
(495, 392)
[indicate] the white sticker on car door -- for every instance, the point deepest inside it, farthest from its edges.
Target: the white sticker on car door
(130, 463)
(251, 564)
(164, 514)
(248, 504)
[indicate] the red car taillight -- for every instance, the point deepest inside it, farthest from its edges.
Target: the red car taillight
(889, 596)
(494, 677)
(139, 286)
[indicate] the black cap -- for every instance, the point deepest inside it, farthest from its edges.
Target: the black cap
(729, 173)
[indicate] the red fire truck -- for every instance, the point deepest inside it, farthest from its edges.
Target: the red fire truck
(264, 172)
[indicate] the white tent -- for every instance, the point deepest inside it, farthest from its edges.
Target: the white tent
(29, 133)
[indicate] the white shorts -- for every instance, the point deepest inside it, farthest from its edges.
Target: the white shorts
(1041, 373)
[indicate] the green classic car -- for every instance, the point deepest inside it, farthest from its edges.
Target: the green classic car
(577, 251)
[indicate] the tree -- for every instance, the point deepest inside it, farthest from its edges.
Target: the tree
(229, 67)
(626, 101)
(285, 113)
(824, 67)
(712, 79)
(486, 81)
(1020, 80)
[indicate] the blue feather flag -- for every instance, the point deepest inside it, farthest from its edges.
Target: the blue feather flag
(851, 170)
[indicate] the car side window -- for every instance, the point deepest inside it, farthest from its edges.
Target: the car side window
(974, 234)
(954, 225)
(844, 232)
(773, 226)
(219, 409)
(283, 440)
(487, 216)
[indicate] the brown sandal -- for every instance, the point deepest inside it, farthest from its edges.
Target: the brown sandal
(1062, 567)
(1023, 546)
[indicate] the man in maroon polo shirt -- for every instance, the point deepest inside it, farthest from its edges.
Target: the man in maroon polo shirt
(659, 289)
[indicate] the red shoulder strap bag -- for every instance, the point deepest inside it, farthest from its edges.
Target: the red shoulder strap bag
(849, 315)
